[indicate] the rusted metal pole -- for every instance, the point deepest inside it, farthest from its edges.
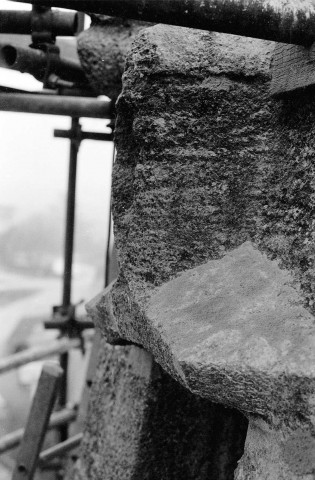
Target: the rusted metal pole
(57, 347)
(13, 439)
(36, 62)
(74, 149)
(56, 105)
(65, 91)
(68, 256)
(20, 22)
(105, 137)
(289, 21)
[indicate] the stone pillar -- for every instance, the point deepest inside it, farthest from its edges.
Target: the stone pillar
(144, 425)
(213, 198)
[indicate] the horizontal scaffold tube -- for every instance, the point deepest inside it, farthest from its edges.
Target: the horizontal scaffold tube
(13, 439)
(36, 62)
(55, 105)
(37, 353)
(60, 448)
(289, 21)
(20, 22)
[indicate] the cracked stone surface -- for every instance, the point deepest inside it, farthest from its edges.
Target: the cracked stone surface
(213, 195)
(232, 330)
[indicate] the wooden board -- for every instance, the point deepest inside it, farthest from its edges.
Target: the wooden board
(293, 69)
(37, 423)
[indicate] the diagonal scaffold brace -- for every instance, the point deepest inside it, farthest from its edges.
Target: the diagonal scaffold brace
(38, 421)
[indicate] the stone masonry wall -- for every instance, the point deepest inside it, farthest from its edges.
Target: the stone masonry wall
(213, 200)
(144, 425)
(207, 160)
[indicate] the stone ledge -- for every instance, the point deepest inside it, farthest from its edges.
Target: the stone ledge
(232, 330)
(214, 179)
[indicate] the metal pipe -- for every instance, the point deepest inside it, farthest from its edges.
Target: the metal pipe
(107, 137)
(60, 448)
(13, 439)
(63, 394)
(74, 149)
(20, 22)
(56, 105)
(6, 89)
(72, 92)
(38, 353)
(36, 62)
(68, 255)
(287, 21)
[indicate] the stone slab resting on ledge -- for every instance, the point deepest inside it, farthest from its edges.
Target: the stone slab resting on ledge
(213, 194)
(234, 331)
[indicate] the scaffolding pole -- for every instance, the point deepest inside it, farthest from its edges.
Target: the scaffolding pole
(56, 105)
(286, 21)
(21, 22)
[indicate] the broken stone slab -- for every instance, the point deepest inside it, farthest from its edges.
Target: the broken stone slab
(143, 424)
(213, 191)
(234, 331)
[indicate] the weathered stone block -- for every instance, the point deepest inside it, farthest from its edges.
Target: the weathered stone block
(212, 196)
(141, 424)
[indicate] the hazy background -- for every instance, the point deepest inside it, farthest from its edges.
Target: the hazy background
(33, 185)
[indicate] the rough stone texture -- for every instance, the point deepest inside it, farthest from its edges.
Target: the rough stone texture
(283, 453)
(142, 425)
(102, 50)
(213, 205)
(206, 160)
(233, 330)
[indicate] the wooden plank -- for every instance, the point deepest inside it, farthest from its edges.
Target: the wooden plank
(293, 69)
(37, 422)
